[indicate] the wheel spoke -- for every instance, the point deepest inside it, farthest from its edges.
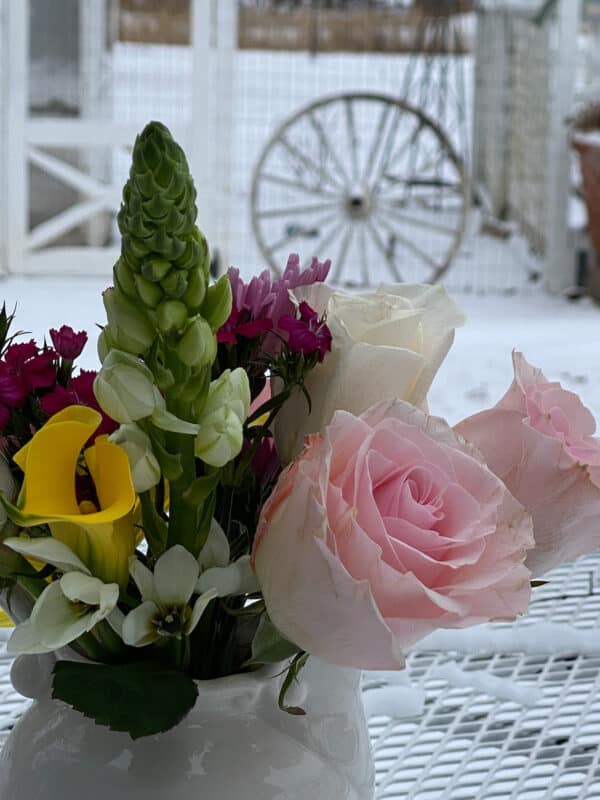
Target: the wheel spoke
(410, 140)
(281, 180)
(388, 147)
(383, 116)
(351, 122)
(423, 223)
(386, 253)
(364, 265)
(324, 139)
(341, 259)
(322, 175)
(325, 242)
(409, 245)
(295, 210)
(298, 233)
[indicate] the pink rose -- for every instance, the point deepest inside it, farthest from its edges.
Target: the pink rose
(538, 440)
(386, 527)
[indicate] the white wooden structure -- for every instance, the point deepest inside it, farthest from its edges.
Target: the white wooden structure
(98, 135)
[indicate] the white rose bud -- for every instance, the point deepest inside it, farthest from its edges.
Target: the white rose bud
(124, 388)
(145, 469)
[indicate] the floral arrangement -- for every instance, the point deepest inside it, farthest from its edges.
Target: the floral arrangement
(252, 477)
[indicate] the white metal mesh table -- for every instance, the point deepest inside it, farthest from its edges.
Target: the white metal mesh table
(501, 726)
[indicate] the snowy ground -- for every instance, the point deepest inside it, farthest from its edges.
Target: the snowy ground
(561, 337)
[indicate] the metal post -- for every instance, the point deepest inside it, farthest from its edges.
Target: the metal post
(560, 258)
(14, 122)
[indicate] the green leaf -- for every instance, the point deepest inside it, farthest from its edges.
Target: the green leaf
(154, 525)
(141, 699)
(269, 646)
(200, 489)
(167, 421)
(170, 463)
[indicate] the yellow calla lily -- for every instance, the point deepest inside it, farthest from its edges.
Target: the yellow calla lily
(5, 620)
(104, 538)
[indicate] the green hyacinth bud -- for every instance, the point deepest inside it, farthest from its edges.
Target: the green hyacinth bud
(149, 293)
(198, 346)
(106, 343)
(216, 307)
(175, 283)
(196, 291)
(172, 316)
(129, 327)
(124, 388)
(161, 242)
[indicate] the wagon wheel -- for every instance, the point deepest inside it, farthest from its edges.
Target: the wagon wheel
(363, 179)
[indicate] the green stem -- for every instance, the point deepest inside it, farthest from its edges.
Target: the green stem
(183, 515)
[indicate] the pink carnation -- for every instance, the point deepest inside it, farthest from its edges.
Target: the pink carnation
(385, 528)
(539, 440)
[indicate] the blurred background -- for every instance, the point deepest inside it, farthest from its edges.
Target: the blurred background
(412, 139)
(416, 140)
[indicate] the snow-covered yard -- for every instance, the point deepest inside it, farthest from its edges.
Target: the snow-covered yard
(561, 337)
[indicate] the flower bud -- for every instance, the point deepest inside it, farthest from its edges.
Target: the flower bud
(175, 283)
(124, 388)
(145, 469)
(130, 328)
(123, 277)
(220, 437)
(198, 345)
(149, 293)
(106, 343)
(155, 269)
(231, 389)
(216, 307)
(196, 290)
(172, 315)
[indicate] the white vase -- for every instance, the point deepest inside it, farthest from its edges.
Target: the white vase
(234, 745)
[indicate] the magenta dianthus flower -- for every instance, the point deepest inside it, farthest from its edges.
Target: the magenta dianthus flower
(307, 334)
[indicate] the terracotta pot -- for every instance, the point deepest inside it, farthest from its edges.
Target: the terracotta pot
(588, 147)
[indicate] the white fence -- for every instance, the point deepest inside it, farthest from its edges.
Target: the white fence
(86, 147)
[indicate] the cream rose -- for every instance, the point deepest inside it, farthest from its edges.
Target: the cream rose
(387, 344)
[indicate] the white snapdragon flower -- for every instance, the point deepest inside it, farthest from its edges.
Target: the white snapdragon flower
(166, 594)
(68, 607)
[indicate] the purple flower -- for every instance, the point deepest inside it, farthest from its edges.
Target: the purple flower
(67, 343)
(267, 300)
(240, 324)
(308, 334)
